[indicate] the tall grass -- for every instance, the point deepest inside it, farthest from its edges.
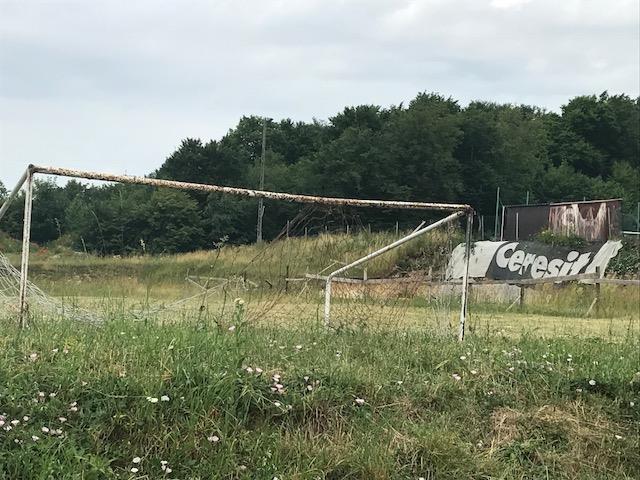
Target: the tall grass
(493, 407)
(258, 261)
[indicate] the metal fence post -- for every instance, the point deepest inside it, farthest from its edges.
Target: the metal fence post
(465, 278)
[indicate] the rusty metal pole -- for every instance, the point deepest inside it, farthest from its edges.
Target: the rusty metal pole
(465, 278)
(261, 200)
(247, 192)
(26, 237)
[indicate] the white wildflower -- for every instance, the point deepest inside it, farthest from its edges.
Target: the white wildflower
(592, 382)
(33, 357)
(152, 399)
(45, 429)
(618, 437)
(136, 460)
(456, 377)
(15, 422)
(134, 470)
(25, 418)
(259, 370)
(213, 438)
(62, 419)
(164, 398)
(232, 328)
(35, 438)
(359, 401)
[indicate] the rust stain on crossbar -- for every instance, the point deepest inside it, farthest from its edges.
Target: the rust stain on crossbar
(246, 192)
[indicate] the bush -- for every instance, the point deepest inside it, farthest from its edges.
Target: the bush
(552, 238)
(627, 262)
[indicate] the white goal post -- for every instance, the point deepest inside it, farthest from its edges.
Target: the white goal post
(458, 210)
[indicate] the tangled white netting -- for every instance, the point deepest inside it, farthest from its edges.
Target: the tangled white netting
(10, 291)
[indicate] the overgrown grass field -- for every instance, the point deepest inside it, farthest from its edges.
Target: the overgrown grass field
(258, 402)
(538, 392)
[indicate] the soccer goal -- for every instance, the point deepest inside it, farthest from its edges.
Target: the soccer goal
(324, 258)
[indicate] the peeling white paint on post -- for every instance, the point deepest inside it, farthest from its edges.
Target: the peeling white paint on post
(360, 261)
(465, 278)
(26, 237)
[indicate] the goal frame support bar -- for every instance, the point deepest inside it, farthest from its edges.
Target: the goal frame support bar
(28, 176)
(398, 243)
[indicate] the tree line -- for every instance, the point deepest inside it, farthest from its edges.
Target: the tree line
(431, 149)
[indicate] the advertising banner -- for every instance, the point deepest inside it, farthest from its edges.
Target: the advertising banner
(530, 260)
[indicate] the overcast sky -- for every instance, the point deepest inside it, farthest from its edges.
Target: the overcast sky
(115, 85)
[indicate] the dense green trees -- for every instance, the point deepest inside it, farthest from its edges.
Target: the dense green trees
(431, 149)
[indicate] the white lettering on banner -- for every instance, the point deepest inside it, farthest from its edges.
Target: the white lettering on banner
(501, 260)
(528, 261)
(582, 262)
(515, 262)
(539, 267)
(553, 269)
(519, 261)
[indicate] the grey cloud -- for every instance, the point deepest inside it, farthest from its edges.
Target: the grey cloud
(117, 84)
